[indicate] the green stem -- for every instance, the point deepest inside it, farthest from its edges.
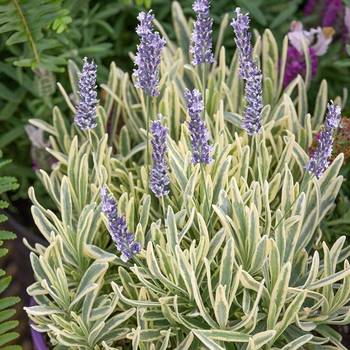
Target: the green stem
(27, 31)
(147, 138)
(94, 170)
(204, 87)
(114, 124)
(205, 188)
(162, 202)
(90, 139)
(138, 261)
(256, 138)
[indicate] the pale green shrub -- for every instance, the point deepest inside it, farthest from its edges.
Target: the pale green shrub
(249, 272)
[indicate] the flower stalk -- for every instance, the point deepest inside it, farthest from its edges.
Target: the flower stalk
(85, 117)
(201, 47)
(147, 61)
(250, 73)
(319, 160)
(199, 133)
(159, 181)
(117, 227)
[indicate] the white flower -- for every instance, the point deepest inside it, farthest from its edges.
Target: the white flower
(316, 38)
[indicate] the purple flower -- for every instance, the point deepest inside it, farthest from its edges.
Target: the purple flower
(201, 48)
(333, 116)
(346, 31)
(316, 39)
(148, 55)
(319, 160)
(240, 25)
(117, 227)
(159, 175)
(296, 64)
(309, 7)
(253, 94)
(331, 11)
(198, 130)
(250, 73)
(86, 109)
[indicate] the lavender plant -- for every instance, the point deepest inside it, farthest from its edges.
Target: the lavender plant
(249, 273)
(251, 74)
(147, 60)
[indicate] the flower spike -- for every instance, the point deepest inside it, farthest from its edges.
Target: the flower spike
(199, 133)
(159, 182)
(148, 55)
(250, 73)
(201, 48)
(319, 160)
(86, 110)
(117, 227)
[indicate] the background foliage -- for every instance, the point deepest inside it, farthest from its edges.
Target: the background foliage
(7, 324)
(220, 278)
(35, 50)
(36, 46)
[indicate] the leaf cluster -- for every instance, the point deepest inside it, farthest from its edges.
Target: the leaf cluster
(7, 324)
(246, 271)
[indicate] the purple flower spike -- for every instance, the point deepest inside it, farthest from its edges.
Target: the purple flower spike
(201, 48)
(240, 25)
(309, 7)
(159, 175)
(199, 133)
(148, 55)
(319, 160)
(117, 227)
(333, 116)
(317, 41)
(331, 12)
(253, 94)
(296, 64)
(250, 73)
(86, 109)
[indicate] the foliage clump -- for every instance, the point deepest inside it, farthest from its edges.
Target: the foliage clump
(231, 255)
(7, 324)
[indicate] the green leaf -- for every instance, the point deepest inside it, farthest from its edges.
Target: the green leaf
(223, 335)
(181, 27)
(298, 343)
(221, 307)
(278, 295)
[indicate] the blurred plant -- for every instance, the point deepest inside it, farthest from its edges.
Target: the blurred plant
(36, 39)
(103, 30)
(315, 41)
(7, 326)
(246, 274)
(40, 158)
(338, 222)
(334, 66)
(25, 22)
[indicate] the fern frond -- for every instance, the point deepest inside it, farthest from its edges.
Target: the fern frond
(8, 183)
(28, 22)
(7, 325)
